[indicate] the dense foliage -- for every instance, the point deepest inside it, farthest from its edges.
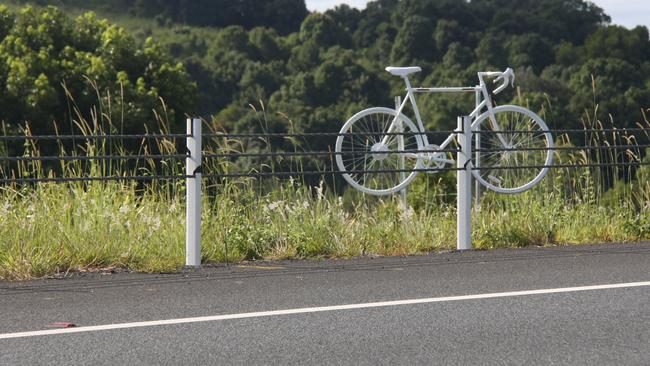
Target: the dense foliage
(334, 64)
(312, 70)
(53, 67)
(282, 15)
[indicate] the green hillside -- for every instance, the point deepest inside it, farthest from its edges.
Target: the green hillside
(316, 69)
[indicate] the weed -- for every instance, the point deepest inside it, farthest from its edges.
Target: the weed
(50, 229)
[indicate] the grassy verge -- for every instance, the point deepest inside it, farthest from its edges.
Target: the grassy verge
(59, 228)
(49, 229)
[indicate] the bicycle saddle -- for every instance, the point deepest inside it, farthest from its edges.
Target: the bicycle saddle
(403, 71)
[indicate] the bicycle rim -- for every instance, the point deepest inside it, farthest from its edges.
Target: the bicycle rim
(514, 154)
(374, 160)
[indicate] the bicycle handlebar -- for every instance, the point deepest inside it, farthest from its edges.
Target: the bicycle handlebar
(508, 77)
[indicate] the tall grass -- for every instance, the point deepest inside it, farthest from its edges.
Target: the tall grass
(55, 228)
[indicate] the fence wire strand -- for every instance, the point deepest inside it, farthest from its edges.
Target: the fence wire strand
(90, 157)
(93, 137)
(567, 148)
(91, 179)
(569, 131)
(214, 153)
(558, 166)
(322, 153)
(324, 134)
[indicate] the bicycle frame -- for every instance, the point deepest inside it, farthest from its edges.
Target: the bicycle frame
(485, 102)
(506, 146)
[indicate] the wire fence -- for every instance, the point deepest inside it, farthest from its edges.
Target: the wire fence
(161, 157)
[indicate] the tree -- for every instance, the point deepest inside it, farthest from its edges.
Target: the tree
(446, 33)
(414, 42)
(324, 31)
(318, 68)
(346, 17)
(376, 13)
(6, 21)
(284, 16)
(491, 50)
(530, 49)
(558, 20)
(265, 45)
(52, 61)
(614, 85)
(617, 42)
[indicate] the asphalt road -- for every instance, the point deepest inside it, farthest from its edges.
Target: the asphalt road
(450, 321)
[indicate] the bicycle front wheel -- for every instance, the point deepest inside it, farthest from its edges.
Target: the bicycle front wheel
(377, 151)
(512, 151)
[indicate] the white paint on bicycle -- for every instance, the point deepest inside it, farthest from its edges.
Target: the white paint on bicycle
(529, 129)
(494, 179)
(353, 173)
(434, 159)
(380, 151)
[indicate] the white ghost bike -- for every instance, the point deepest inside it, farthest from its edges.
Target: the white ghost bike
(380, 150)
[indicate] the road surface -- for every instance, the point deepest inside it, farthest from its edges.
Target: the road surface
(562, 305)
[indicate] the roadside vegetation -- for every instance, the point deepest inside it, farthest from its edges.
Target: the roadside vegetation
(144, 71)
(50, 229)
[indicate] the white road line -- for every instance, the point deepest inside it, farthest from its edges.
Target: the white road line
(258, 314)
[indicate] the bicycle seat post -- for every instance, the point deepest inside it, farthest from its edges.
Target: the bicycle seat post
(410, 95)
(408, 83)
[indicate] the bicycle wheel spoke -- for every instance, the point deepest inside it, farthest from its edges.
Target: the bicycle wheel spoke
(367, 144)
(510, 161)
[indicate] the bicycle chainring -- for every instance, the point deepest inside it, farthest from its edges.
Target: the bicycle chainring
(429, 158)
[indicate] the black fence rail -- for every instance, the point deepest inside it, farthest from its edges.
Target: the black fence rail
(181, 163)
(162, 157)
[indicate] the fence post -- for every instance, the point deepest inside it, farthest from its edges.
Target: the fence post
(477, 163)
(193, 194)
(464, 185)
(400, 146)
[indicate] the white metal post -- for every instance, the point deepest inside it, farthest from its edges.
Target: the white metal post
(193, 194)
(477, 162)
(464, 185)
(400, 146)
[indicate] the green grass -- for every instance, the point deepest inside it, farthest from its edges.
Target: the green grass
(57, 228)
(50, 228)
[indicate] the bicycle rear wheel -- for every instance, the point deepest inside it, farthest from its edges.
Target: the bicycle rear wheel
(511, 153)
(377, 151)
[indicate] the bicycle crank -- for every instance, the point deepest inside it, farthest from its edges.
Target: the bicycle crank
(433, 159)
